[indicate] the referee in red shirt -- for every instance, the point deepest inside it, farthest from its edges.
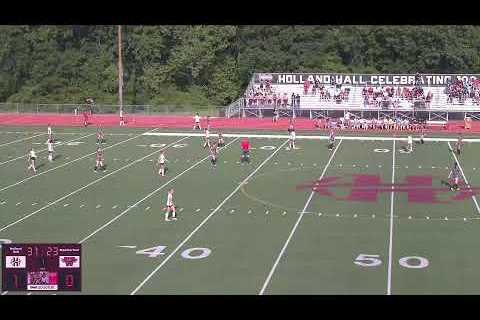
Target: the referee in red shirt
(245, 144)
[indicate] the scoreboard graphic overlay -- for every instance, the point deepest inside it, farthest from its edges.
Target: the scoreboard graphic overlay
(41, 267)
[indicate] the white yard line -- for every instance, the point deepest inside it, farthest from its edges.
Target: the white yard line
(66, 164)
(88, 185)
(19, 140)
(282, 251)
(390, 243)
(308, 137)
(205, 220)
(474, 198)
(148, 196)
(41, 150)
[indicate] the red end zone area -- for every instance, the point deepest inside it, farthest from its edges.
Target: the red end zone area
(186, 122)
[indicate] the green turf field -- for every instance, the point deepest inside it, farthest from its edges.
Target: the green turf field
(380, 222)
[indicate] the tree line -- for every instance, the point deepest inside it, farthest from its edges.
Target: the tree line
(211, 65)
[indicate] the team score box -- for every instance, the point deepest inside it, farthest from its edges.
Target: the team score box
(41, 267)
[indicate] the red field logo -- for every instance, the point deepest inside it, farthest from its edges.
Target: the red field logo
(367, 188)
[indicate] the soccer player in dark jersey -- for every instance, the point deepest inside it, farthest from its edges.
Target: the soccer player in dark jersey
(100, 136)
(455, 177)
(220, 142)
(99, 160)
(213, 154)
(422, 135)
(458, 145)
(331, 140)
(245, 144)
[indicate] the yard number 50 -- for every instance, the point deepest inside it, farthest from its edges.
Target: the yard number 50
(372, 260)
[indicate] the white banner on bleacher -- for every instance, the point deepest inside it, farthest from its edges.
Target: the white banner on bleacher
(362, 79)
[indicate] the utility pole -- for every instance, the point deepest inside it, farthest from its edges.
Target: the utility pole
(120, 69)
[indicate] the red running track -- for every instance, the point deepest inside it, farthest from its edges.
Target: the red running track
(186, 122)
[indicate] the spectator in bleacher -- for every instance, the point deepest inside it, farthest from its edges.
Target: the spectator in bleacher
(285, 100)
(306, 86)
(297, 105)
(293, 101)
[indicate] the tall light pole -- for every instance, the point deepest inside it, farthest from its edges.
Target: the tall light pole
(120, 69)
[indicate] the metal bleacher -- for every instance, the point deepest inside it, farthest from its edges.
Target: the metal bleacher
(312, 106)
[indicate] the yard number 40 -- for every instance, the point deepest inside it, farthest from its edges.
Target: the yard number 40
(154, 252)
(372, 260)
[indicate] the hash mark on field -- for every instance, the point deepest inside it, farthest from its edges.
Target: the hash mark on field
(249, 211)
(337, 215)
(446, 218)
(82, 205)
(232, 211)
(410, 217)
(128, 247)
(289, 163)
(34, 204)
(197, 210)
(147, 208)
(3, 202)
(428, 218)
(464, 219)
(366, 166)
(19, 203)
(115, 207)
(314, 164)
(319, 214)
(115, 159)
(354, 165)
(355, 215)
(66, 204)
(98, 206)
(284, 213)
(379, 165)
(275, 163)
(373, 216)
(419, 167)
(181, 209)
(66, 158)
(266, 212)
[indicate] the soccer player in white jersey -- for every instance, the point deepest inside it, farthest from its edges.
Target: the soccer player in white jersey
(410, 143)
(291, 139)
(170, 207)
(207, 139)
(32, 157)
(161, 164)
(99, 160)
(49, 131)
(197, 122)
(122, 120)
(50, 149)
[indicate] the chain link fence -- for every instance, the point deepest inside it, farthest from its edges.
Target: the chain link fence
(110, 109)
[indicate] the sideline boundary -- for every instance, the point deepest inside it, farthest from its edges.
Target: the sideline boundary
(284, 136)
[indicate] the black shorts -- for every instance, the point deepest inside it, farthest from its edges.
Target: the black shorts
(246, 153)
(33, 158)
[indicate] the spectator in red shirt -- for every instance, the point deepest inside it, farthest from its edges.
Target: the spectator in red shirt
(306, 85)
(245, 144)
